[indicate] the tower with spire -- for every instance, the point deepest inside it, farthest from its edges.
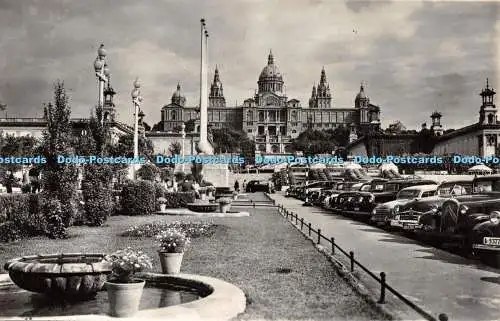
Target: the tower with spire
(216, 96)
(178, 98)
(488, 111)
(109, 108)
(321, 96)
(436, 126)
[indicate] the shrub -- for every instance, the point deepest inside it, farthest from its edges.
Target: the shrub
(9, 232)
(179, 199)
(26, 188)
(97, 194)
(23, 211)
(148, 172)
(138, 198)
(54, 214)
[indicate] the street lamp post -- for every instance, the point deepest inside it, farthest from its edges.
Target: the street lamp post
(136, 101)
(183, 133)
(102, 74)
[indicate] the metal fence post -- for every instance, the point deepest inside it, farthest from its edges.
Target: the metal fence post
(382, 288)
(351, 256)
(332, 240)
(319, 236)
(253, 205)
(296, 218)
(301, 223)
(309, 229)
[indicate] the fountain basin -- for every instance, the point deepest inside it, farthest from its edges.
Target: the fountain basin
(217, 300)
(202, 207)
(75, 276)
(187, 212)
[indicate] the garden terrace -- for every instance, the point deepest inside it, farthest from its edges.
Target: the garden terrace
(281, 273)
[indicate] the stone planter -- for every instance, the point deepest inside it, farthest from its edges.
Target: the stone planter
(163, 207)
(124, 298)
(224, 208)
(171, 262)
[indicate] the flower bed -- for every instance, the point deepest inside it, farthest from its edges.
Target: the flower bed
(192, 229)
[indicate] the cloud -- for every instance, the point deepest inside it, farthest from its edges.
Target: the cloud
(415, 56)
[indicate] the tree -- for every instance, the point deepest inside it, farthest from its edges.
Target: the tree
(175, 148)
(125, 147)
(396, 127)
(190, 126)
(229, 140)
(312, 142)
(59, 181)
(97, 178)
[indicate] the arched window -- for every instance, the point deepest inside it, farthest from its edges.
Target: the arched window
(173, 115)
(294, 115)
(249, 115)
(261, 116)
(262, 148)
(275, 149)
(491, 119)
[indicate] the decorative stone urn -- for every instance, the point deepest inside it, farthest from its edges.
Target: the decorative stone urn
(74, 276)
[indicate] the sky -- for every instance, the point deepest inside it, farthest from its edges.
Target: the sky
(415, 57)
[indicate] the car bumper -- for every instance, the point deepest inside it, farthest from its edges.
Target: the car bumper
(404, 225)
(483, 247)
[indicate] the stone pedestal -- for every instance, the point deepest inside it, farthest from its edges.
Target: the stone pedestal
(217, 174)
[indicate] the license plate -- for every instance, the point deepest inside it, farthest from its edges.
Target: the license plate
(491, 241)
(356, 208)
(409, 226)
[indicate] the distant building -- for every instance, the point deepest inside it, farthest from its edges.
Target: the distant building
(270, 117)
(479, 139)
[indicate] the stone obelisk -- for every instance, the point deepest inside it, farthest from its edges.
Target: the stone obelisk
(204, 146)
(215, 173)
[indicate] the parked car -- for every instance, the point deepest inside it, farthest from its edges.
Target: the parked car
(308, 189)
(362, 204)
(259, 186)
(314, 190)
(382, 213)
(406, 216)
(330, 202)
(455, 221)
(486, 239)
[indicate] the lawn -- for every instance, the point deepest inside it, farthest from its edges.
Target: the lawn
(281, 273)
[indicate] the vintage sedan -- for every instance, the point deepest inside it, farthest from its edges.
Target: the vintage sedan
(330, 201)
(406, 216)
(362, 204)
(455, 221)
(486, 239)
(312, 190)
(383, 213)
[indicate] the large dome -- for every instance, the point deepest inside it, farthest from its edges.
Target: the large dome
(271, 70)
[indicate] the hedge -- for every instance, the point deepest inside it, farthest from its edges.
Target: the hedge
(20, 216)
(179, 199)
(138, 198)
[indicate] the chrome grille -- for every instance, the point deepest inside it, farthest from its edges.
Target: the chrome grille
(382, 212)
(408, 217)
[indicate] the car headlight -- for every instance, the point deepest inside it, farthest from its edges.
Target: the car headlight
(397, 217)
(360, 199)
(395, 210)
(434, 208)
(494, 216)
(374, 211)
(372, 198)
(463, 209)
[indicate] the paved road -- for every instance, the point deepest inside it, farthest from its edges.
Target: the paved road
(435, 280)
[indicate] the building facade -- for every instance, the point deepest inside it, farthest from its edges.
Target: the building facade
(478, 139)
(270, 117)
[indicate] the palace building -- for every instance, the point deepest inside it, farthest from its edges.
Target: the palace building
(270, 117)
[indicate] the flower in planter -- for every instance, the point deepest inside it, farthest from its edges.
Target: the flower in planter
(162, 200)
(224, 200)
(125, 263)
(173, 240)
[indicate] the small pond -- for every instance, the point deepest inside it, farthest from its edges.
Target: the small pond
(16, 302)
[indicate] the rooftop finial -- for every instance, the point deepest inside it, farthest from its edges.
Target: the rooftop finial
(487, 83)
(270, 58)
